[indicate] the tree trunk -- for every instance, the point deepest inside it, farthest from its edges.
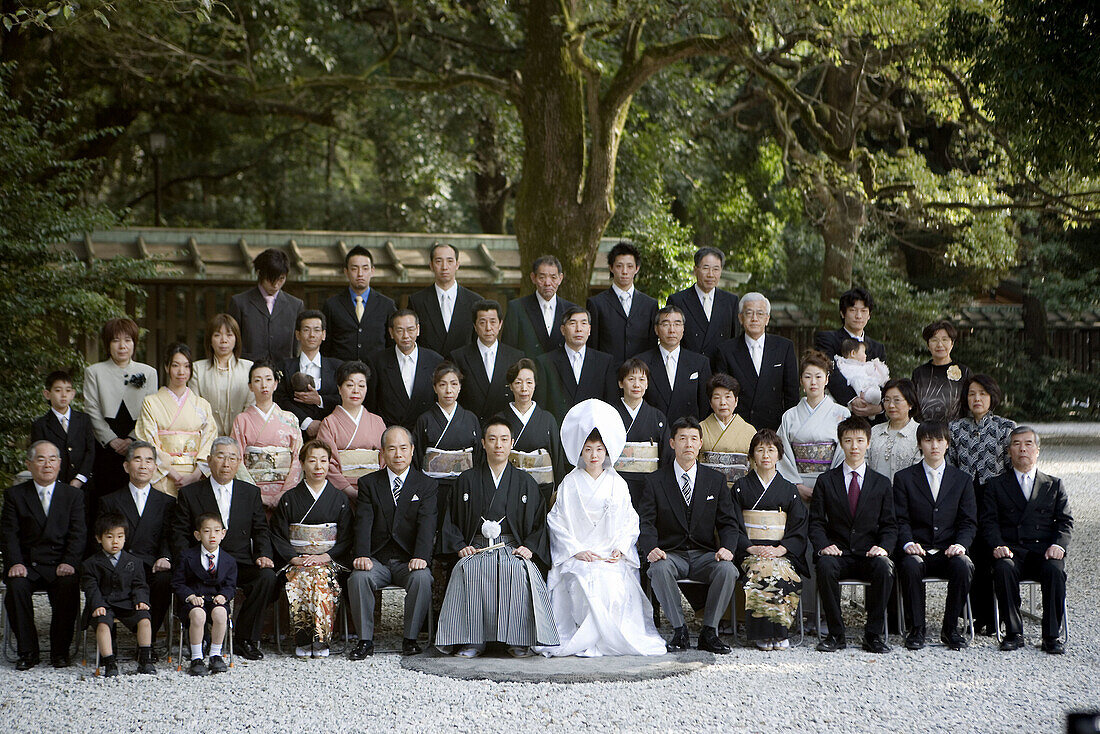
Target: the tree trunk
(491, 184)
(842, 217)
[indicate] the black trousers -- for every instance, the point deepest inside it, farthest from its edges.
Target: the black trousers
(64, 595)
(981, 588)
(160, 595)
(258, 585)
(1030, 566)
(912, 570)
(879, 571)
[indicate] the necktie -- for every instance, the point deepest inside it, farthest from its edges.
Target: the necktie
(576, 366)
(853, 493)
(707, 304)
(114, 561)
(757, 356)
(548, 317)
(625, 298)
(934, 484)
(358, 308)
(270, 301)
(44, 495)
(65, 423)
(396, 489)
(223, 504)
(1026, 483)
(210, 563)
(490, 358)
(685, 489)
(142, 496)
(670, 369)
(407, 373)
(446, 309)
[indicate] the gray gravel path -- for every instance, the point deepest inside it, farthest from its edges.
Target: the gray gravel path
(979, 690)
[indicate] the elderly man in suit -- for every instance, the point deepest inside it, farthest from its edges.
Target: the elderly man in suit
(623, 316)
(42, 536)
(394, 533)
(400, 384)
(575, 372)
(310, 406)
(445, 306)
(484, 364)
(357, 316)
(678, 376)
(710, 313)
(1027, 522)
(247, 537)
(937, 518)
(689, 527)
(856, 306)
(532, 322)
(267, 313)
(764, 365)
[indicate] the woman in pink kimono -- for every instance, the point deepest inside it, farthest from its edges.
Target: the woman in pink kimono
(269, 437)
(352, 432)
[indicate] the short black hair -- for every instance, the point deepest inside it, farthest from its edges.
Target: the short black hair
(704, 251)
(908, 390)
(524, 363)
(496, 420)
(933, 429)
(444, 368)
(398, 314)
(109, 521)
(58, 376)
(623, 248)
(849, 298)
(486, 304)
(271, 264)
(314, 444)
(684, 422)
(722, 380)
(546, 260)
(665, 311)
(208, 517)
(930, 331)
(436, 245)
(768, 437)
(310, 313)
(853, 424)
(632, 365)
(573, 311)
(349, 368)
(850, 346)
(358, 251)
(987, 383)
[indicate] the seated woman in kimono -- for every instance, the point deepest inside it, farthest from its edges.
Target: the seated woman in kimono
(536, 446)
(595, 594)
(312, 531)
(179, 424)
(269, 437)
(447, 436)
(352, 432)
(647, 440)
(726, 435)
(772, 551)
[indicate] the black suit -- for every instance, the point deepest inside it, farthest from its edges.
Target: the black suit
(112, 587)
(700, 334)
(765, 396)
(349, 338)
(557, 390)
(330, 391)
(191, 577)
(874, 524)
(386, 394)
(1028, 528)
(617, 334)
(433, 335)
(41, 543)
(829, 342)
(247, 538)
(688, 396)
(689, 537)
(480, 396)
(264, 334)
(951, 518)
(525, 329)
(77, 445)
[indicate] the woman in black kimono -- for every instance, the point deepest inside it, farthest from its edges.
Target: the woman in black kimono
(447, 436)
(644, 425)
(534, 430)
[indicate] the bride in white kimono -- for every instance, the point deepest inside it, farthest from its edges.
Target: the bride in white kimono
(598, 604)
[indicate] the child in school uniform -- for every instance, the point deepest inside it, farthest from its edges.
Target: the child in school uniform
(68, 429)
(204, 581)
(114, 589)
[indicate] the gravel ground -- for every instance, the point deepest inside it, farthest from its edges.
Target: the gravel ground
(935, 690)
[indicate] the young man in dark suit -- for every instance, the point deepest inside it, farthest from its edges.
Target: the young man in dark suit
(42, 536)
(1027, 522)
(267, 313)
(763, 364)
(68, 429)
(937, 519)
(533, 321)
(445, 306)
(623, 316)
(852, 528)
(677, 376)
(710, 313)
(394, 533)
(484, 363)
(689, 527)
(357, 316)
(310, 406)
(400, 384)
(575, 372)
(856, 306)
(147, 513)
(247, 537)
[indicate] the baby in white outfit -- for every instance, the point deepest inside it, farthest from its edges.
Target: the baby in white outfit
(865, 376)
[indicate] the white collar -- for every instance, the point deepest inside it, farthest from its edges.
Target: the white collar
(217, 553)
(67, 414)
(44, 488)
(402, 476)
(439, 292)
(487, 350)
(857, 338)
(218, 487)
(619, 292)
(633, 411)
(544, 303)
(750, 342)
(680, 473)
(497, 477)
(938, 470)
(569, 352)
(134, 489)
(449, 416)
(267, 415)
(761, 480)
(1019, 474)
(304, 361)
(315, 494)
(411, 355)
(860, 470)
(523, 417)
(699, 292)
(665, 354)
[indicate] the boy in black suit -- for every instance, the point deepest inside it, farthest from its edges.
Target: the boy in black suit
(852, 526)
(114, 588)
(205, 580)
(68, 429)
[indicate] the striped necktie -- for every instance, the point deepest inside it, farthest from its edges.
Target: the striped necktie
(396, 489)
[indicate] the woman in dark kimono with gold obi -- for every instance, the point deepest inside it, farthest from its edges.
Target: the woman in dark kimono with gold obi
(647, 438)
(447, 436)
(772, 550)
(536, 442)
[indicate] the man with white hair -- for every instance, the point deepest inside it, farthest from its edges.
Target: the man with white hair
(764, 364)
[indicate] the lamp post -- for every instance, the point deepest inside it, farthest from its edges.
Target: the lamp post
(158, 141)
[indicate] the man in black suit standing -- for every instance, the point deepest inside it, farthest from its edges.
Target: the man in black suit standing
(856, 306)
(710, 313)
(394, 533)
(532, 322)
(574, 372)
(68, 429)
(852, 526)
(445, 306)
(400, 384)
(247, 538)
(937, 519)
(689, 527)
(678, 377)
(1027, 522)
(42, 536)
(310, 406)
(357, 317)
(483, 363)
(147, 511)
(763, 364)
(623, 316)
(267, 313)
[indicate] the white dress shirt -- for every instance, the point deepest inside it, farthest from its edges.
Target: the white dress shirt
(446, 303)
(756, 350)
(488, 357)
(859, 471)
(141, 496)
(626, 298)
(1026, 482)
(45, 496)
(690, 474)
(576, 360)
(670, 359)
(403, 476)
(407, 365)
(548, 308)
(216, 553)
(706, 299)
(223, 493)
(934, 477)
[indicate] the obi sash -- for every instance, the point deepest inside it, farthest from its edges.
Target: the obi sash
(312, 540)
(181, 446)
(639, 457)
(267, 464)
(814, 457)
(765, 524)
(536, 463)
(354, 463)
(440, 463)
(732, 465)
